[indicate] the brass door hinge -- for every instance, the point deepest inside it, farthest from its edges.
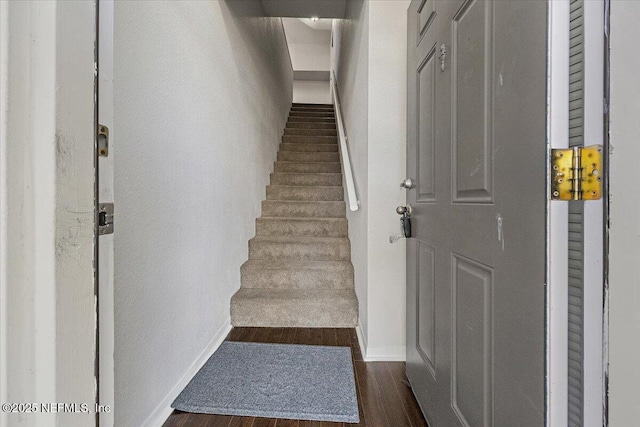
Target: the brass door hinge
(576, 173)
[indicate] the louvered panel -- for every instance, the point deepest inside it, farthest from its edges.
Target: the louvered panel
(576, 227)
(574, 365)
(575, 69)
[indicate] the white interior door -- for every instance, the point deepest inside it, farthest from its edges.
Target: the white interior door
(105, 195)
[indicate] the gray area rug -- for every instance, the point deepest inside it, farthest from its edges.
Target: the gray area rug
(275, 381)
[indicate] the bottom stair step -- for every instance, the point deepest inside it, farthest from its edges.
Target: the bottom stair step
(295, 308)
(277, 274)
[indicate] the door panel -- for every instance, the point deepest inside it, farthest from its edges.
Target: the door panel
(426, 148)
(472, 151)
(425, 306)
(475, 266)
(426, 13)
(472, 337)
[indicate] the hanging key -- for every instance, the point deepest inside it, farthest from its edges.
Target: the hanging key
(405, 220)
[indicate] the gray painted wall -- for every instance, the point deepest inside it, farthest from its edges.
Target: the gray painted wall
(201, 99)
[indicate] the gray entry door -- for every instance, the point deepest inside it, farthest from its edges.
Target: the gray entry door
(476, 153)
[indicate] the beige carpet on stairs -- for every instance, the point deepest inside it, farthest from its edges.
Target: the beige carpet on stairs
(299, 272)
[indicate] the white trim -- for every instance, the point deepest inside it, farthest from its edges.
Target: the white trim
(362, 340)
(47, 218)
(623, 297)
(4, 214)
(593, 405)
(386, 354)
(557, 219)
(379, 354)
(164, 409)
(106, 267)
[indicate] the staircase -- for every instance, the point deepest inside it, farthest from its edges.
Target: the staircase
(299, 272)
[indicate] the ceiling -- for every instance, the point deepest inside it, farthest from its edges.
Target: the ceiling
(320, 24)
(298, 32)
(305, 8)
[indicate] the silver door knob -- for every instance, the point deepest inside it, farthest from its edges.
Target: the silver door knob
(407, 183)
(401, 210)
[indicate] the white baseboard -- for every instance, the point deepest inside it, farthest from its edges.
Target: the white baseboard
(379, 354)
(164, 409)
(386, 354)
(362, 340)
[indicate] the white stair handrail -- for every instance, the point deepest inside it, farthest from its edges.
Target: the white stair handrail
(347, 170)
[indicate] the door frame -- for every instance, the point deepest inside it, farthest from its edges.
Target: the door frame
(105, 270)
(47, 146)
(557, 218)
(595, 312)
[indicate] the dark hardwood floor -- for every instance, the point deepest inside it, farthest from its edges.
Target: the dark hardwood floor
(383, 399)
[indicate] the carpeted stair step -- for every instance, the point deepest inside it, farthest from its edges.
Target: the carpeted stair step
(275, 274)
(300, 209)
(293, 156)
(306, 139)
(313, 105)
(309, 125)
(307, 167)
(314, 227)
(310, 132)
(308, 113)
(287, 146)
(312, 119)
(312, 110)
(318, 106)
(300, 248)
(302, 308)
(305, 193)
(299, 271)
(304, 179)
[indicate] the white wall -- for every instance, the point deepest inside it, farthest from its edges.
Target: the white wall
(387, 168)
(370, 63)
(201, 99)
(308, 47)
(310, 50)
(47, 310)
(624, 285)
(310, 57)
(350, 39)
(311, 92)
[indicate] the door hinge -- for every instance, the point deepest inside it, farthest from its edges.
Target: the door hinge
(577, 173)
(105, 218)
